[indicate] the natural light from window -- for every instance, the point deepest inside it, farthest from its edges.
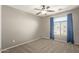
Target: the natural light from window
(60, 27)
(63, 18)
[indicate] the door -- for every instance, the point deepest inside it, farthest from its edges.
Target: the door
(60, 31)
(57, 30)
(64, 31)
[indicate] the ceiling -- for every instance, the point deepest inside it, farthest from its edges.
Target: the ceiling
(57, 8)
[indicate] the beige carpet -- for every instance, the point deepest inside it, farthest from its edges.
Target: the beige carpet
(44, 46)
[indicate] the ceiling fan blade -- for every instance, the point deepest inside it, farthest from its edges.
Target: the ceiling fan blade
(47, 7)
(37, 9)
(38, 13)
(50, 11)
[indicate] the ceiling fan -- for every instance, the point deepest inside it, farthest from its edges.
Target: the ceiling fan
(44, 10)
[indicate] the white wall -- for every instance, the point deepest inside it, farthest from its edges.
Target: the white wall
(45, 27)
(76, 25)
(0, 27)
(75, 13)
(18, 26)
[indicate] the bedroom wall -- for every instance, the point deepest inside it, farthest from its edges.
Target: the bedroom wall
(0, 27)
(45, 27)
(75, 13)
(18, 27)
(76, 25)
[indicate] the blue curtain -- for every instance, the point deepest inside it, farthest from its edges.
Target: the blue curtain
(70, 36)
(51, 28)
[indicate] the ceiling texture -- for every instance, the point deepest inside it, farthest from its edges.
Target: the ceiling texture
(57, 9)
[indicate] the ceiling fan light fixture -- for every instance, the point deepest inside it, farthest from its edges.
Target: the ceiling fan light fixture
(60, 9)
(43, 12)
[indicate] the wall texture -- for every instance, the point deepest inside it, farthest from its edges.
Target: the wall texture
(45, 27)
(0, 26)
(75, 13)
(18, 27)
(76, 25)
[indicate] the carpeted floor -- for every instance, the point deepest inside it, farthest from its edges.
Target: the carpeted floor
(44, 46)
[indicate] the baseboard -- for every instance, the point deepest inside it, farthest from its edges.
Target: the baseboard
(77, 44)
(20, 44)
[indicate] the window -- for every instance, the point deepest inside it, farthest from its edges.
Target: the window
(60, 19)
(60, 27)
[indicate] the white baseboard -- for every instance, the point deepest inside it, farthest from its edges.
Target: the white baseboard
(77, 44)
(20, 44)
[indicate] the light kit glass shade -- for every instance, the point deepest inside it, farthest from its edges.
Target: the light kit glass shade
(43, 12)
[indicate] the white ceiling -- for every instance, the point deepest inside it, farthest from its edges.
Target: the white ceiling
(30, 8)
